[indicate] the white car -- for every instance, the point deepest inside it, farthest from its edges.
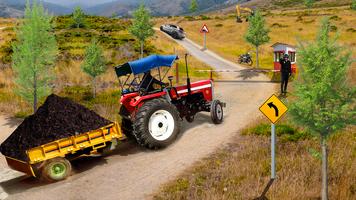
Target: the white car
(174, 31)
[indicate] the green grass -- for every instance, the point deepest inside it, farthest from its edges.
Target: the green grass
(285, 132)
(106, 103)
(241, 169)
(111, 34)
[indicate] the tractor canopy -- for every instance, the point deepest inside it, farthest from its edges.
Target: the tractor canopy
(145, 64)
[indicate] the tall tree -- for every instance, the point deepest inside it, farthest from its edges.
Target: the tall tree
(353, 5)
(257, 32)
(324, 102)
(34, 54)
(142, 27)
(94, 62)
(193, 6)
(78, 18)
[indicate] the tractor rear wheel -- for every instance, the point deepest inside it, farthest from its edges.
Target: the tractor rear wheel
(216, 112)
(156, 124)
(56, 169)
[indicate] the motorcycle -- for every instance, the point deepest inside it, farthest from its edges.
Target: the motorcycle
(245, 58)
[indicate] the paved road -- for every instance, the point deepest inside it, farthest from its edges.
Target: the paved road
(134, 173)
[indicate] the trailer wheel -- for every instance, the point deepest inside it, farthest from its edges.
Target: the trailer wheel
(110, 146)
(216, 112)
(56, 169)
(156, 124)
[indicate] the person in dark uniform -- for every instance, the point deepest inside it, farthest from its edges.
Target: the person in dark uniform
(286, 72)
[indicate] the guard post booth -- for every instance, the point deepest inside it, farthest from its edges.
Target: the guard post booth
(279, 49)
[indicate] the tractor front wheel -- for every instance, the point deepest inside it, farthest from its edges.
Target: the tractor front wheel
(156, 124)
(216, 112)
(56, 169)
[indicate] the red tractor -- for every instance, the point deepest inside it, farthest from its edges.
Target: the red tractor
(151, 110)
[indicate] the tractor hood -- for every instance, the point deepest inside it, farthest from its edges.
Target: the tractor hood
(145, 64)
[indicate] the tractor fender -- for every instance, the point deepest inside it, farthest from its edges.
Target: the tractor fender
(137, 100)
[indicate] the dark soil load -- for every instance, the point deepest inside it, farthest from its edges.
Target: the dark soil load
(57, 118)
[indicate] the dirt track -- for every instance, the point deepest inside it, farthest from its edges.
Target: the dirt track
(134, 173)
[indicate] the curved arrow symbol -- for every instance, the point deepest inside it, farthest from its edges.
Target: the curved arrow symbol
(271, 105)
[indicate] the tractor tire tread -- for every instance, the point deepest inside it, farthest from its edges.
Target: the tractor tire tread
(139, 124)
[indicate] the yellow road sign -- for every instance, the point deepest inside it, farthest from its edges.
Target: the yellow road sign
(273, 109)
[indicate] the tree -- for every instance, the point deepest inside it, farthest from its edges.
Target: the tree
(353, 5)
(34, 54)
(324, 102)
(113, 15)
(142, 27)
(257, 33)
(78, 20)
(193, 6)
(94, 62)
(309, 3)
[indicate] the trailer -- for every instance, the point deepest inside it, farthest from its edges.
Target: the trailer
(51, 161)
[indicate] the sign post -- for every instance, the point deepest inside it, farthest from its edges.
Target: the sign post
(273, 109)
(204, 30)
(273, 151)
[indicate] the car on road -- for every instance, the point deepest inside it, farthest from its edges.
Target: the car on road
(174, 31)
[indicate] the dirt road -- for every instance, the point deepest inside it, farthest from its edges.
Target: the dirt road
(134, 173)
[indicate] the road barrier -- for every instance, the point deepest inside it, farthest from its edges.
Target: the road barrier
(211, 72)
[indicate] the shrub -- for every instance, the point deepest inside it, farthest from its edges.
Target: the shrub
(333, 28)
(203, 17)
(353, 5)
(189, 18)
(6, 51)
(335, 18)
(309, 21)
(278, 25)
(352, 30)
(299, 19)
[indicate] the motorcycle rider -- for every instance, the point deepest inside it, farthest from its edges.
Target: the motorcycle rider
(245, 58)
(286, 72)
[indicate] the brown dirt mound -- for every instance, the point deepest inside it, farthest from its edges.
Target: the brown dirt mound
(57, 118)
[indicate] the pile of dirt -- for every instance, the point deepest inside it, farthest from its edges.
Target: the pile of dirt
(57, 118)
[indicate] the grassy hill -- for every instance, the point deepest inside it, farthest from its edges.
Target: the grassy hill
(119, 47)
(292, 4)
(226, 36)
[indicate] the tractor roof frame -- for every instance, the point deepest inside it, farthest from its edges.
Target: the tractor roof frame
(144, 65)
